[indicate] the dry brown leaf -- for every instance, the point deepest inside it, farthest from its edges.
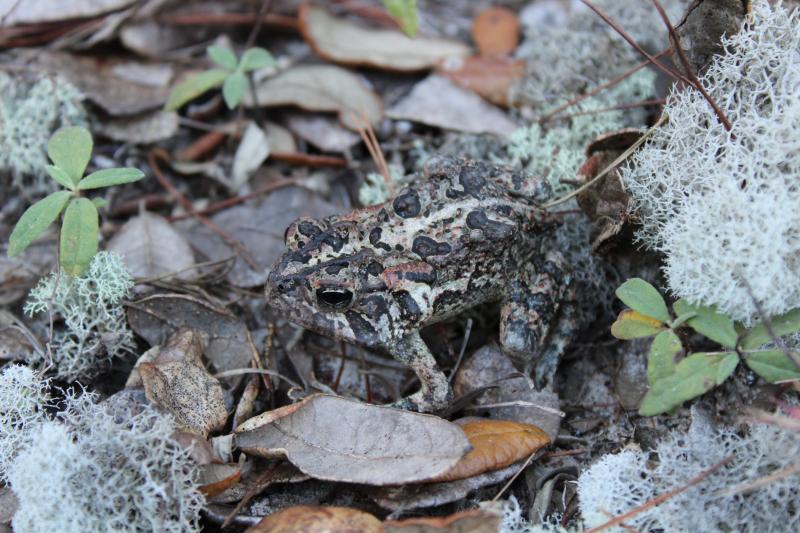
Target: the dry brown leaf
(344, 41)
(252, 151)
(495, 445)
(179, 383)
(151, 247)
(144, 128)
(520, 401)
(320, 88)
(436, 101)
(318, 519)
(484, 520)
(279, 138)
(97, 79)
(246, 404)
(187, 391)
(425, 495)
(490, 77)
(495, 31)
(157, 317)
(214, 478)
(13, 12)
(333, 438)
(322, 131)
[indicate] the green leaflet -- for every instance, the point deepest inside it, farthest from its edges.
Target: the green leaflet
(35, 220)
(78, 236)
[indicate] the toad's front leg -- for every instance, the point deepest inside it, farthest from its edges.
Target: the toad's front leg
(434, 393)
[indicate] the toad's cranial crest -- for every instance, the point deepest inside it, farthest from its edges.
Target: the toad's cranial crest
(465, 234)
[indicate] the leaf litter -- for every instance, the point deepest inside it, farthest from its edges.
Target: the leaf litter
(338, 68)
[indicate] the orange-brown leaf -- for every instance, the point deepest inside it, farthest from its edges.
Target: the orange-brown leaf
(316, 519)
(490, 77)
(495, 445)
(473, 520)
(215, 478)
(495, 31)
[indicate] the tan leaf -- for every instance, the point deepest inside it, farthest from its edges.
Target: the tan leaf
(318, 519)
(181, 385)
(344, 41)
(484, 520)
(333, 438)
(320, 88)
(214, 478)
(436, 101)
(151, 247)
(495, 445)
(496, 31)
(490, 77)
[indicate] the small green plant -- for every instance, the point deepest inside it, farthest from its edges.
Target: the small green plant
(70, 149)
(230, 75)
(673, 381)
(405, 13)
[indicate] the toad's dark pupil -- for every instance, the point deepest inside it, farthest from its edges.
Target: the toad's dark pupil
(334, 298)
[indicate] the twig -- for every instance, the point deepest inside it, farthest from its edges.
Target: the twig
(668, 71)
(601, 87)
(618, 107)
(224, 204)
(610, 167)
(244, 371)
(658, 500)
(465, 340)
(152, 159)
(743, 488)
(676, 45)
(373, 146)
(515, 476)
(263, 481)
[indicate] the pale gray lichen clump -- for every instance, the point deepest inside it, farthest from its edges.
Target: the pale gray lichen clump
(87, 468)
(24, 397)
(94, 327)
(723, 206)
(29, 114)
(619, 482)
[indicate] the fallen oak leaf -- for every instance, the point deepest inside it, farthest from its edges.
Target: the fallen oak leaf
(314, 518)
(343, 41)
(495, 444)
(337, 439)
(320, 88)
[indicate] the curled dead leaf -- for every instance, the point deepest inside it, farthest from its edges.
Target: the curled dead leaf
(214, 478)
(344, 41)
(495, 445)
(187, 391)
(333, 438)
(318, 519)
(320, 88)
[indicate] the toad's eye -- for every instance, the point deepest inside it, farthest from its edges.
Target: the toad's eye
(334, 298)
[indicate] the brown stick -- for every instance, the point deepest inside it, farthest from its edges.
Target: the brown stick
(676, 45)
(241, 250)
(668, 71)
(601, 87)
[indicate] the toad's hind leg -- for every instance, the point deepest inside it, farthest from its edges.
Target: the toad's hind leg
(434, 393)
(538, 317)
